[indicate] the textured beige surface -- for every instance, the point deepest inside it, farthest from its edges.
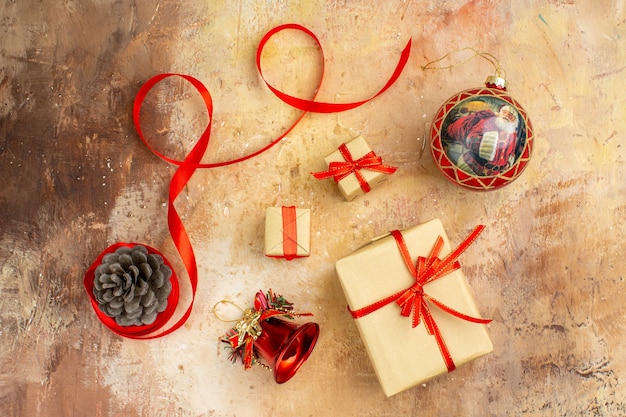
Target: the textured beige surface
(549, 269)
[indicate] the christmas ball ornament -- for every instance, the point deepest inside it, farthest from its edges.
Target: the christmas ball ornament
(482, 138)
(132, 285)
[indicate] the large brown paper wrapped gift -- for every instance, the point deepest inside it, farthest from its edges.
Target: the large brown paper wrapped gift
(289, 225)
(404, 356)
(350, 186)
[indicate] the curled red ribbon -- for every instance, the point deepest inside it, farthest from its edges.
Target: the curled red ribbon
(339, 170)
(321, 107)
(192, 161)
(415, 299)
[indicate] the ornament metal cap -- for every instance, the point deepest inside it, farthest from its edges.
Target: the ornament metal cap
(496, 82)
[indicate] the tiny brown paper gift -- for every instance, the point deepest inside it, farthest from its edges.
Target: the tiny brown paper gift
(287, 232)
(355, 168)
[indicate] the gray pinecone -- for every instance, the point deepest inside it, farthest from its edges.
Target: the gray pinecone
(132, 285)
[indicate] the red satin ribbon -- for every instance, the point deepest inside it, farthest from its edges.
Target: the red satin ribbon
(339, 170)
(414, 298)
(192, 161)
(290, 232)
(321, 107)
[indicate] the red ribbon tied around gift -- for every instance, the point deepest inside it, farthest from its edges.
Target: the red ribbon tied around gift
(290, 232)
(416, 300)
(193, 160)
(339, 170)
(245, 336)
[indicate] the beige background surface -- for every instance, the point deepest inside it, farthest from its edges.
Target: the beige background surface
(549, 269)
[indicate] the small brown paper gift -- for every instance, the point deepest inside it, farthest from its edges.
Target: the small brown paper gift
(287, 232)
(355, 168)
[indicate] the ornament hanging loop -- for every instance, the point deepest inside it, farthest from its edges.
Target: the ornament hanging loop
(499, 73)
(223, 319)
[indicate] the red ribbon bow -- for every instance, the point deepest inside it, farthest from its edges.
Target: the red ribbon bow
(415, 299)
(340, 170)
(243, 335)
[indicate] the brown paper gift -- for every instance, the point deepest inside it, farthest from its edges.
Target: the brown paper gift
(404, 356)
(357, 174)
(287, 232)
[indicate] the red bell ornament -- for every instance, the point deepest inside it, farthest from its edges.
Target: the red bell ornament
(285, 346)
(264, 332)
(482, 138)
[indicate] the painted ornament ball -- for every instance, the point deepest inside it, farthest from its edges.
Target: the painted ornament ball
(482, 138)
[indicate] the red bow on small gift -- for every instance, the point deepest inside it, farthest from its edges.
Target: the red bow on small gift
(340, 170)
(414, 298)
